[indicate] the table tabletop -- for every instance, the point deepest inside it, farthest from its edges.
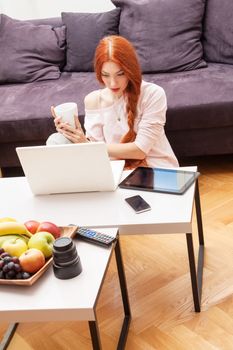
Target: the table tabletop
(53, 299)
(169, 214)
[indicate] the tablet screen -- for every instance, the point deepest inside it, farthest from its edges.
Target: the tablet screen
(159, 180)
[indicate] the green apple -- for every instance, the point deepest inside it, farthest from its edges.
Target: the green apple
(15, 246)
(42, 241)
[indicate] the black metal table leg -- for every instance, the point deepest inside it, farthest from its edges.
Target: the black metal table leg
(93, 326)
(193, 274)
(198, 213)
(8, 335)
(125, 298)
(200, 264)
(196, 277)
(95, 337)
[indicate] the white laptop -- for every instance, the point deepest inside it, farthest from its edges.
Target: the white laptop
(67, 168)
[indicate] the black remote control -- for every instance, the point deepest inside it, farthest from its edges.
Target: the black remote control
(95, 237)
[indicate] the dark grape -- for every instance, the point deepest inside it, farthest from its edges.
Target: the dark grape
(1, 251)
(19, 276)
(4, 254)
(5, 268)
(10, 274)
(7, 259)
(17, 268)
(15, 259)
(11, 265)
(25, 275)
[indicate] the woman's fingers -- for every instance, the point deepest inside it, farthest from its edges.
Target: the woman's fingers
(53, 112)
(66, 126)
(77, 122)
(57, 120)
(74, 135)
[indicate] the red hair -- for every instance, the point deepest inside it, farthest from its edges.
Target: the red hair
(120, 51)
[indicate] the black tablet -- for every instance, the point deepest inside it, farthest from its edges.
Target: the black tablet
(159, 180)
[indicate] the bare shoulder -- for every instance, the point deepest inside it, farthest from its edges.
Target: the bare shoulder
(91, 101)
(98, 99)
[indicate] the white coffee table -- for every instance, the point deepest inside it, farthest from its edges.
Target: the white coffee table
(53, 299)
(169, 214)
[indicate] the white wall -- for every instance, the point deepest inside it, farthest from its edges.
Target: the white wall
(29, 9)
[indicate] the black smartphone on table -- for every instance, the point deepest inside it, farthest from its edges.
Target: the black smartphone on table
(138, 204)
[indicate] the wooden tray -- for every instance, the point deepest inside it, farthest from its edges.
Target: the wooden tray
(66, 231)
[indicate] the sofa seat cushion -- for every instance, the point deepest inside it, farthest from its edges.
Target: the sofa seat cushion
(25, 108)
(198, 99)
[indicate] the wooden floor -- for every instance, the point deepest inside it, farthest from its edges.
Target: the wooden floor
(159, 287)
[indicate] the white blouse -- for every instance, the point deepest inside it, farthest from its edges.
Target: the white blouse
(109, 124)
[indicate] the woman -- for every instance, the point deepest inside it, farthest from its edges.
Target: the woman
(128, 114)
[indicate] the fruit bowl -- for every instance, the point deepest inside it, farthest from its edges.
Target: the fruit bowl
(66, 231)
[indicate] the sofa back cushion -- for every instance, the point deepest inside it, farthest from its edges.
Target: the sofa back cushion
(54, 21)
(218, 31)
(166, 34)
(84, 30)
(30, 52)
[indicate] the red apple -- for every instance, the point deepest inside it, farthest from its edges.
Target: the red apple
(32, 260)
(32, 226)
(51, 228)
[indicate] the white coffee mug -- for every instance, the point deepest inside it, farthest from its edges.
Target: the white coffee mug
(67, 111)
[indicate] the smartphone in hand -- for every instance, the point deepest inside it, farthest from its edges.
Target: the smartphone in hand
(138, 204)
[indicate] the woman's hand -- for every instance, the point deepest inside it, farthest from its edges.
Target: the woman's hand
(75, 135)
(57, 120)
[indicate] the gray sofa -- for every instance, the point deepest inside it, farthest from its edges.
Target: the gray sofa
(183, 45)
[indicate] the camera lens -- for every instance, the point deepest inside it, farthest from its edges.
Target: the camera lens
(62, 243)
(66, 262)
